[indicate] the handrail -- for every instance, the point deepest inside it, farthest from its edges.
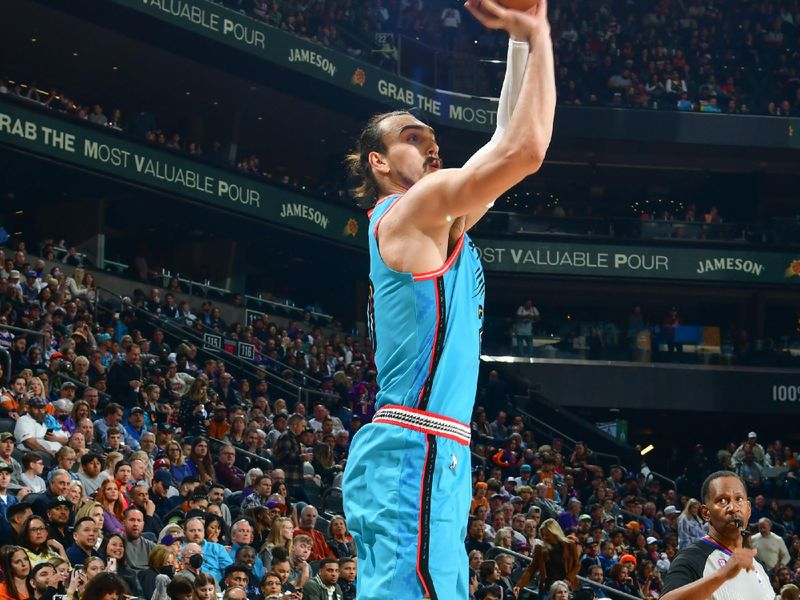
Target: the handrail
(247, 453)
(609, 590)
(655, 474)
(541, 423)
(288, 307)
(184, 333)
(206, 329)
(23, 330)
(252, 369)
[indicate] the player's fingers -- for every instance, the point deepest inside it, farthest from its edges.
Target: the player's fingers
(486, 11)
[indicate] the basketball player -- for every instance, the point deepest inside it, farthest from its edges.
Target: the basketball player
(719, 566)
(407, 483)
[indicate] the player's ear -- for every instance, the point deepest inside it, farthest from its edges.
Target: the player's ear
(378, 162)
(704, 513)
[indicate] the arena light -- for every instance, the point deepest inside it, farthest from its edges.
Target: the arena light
(646, 449)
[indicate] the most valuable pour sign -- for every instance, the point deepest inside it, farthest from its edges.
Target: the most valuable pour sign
(695, 264)
(85, 145)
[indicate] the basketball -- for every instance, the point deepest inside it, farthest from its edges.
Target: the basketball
(518, 4)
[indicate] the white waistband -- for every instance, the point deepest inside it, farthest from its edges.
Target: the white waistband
(420, 420)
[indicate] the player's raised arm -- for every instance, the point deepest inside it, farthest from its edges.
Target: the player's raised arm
(451, 193)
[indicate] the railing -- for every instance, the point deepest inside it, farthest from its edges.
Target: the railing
(27, 332)
(254, 457)
(287, 306)
(200, 326)
(655, 475)
(613, 458)
(296, 392)
(608, 590)
(503, 222)
(205, 286)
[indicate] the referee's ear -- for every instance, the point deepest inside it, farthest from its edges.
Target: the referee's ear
(704, 513)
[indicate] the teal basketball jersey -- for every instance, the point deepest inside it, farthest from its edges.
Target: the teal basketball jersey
(426, 328)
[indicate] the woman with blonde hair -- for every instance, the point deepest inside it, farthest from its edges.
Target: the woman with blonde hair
(690, 526)
(36, 388)
(554, 560)
(161, 562)
(558, 591)
(280, 534)
(96, 511)
(504, 538)
(75, 283)
(108, 495)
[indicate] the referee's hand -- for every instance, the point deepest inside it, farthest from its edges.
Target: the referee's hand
(742, 558)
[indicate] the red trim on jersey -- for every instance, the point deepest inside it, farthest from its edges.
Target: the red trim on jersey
(378, 222)
(381, 201)
(445, 267)
(425, 413)
(422, 512)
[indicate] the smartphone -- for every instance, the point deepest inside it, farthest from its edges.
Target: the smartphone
(49, 430)
(111, 565)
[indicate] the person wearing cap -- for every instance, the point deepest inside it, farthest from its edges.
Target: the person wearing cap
(750, 446)
(7, 443)
(526, 477)
(31, 286)
(590, 557)
(32, 433)
(159, 493)
(135, 427)
(59, 517)
(6, 500)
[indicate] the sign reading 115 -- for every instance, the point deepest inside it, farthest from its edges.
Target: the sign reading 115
(784, 393)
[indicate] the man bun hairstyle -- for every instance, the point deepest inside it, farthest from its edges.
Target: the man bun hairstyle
(357, 162)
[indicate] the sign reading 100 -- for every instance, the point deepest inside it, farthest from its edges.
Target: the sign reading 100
(786, 393)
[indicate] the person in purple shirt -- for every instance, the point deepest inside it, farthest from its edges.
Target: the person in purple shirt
(568, 519)
(228, 474)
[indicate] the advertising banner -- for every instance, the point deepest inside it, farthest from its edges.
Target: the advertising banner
(102, 149)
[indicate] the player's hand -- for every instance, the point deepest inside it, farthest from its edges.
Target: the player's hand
(742, 558)
(525, 26)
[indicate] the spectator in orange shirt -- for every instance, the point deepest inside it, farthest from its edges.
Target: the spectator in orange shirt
(479, 497)
(218, 426)
(319, 547)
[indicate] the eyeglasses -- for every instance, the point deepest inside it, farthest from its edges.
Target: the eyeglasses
(37, 529)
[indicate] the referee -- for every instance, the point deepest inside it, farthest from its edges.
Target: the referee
(719, 566)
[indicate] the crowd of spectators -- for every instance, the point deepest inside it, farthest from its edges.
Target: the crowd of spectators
(151, 472)
(715, 56)
(611, 525)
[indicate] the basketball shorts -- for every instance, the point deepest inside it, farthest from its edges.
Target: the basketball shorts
(407, 491)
